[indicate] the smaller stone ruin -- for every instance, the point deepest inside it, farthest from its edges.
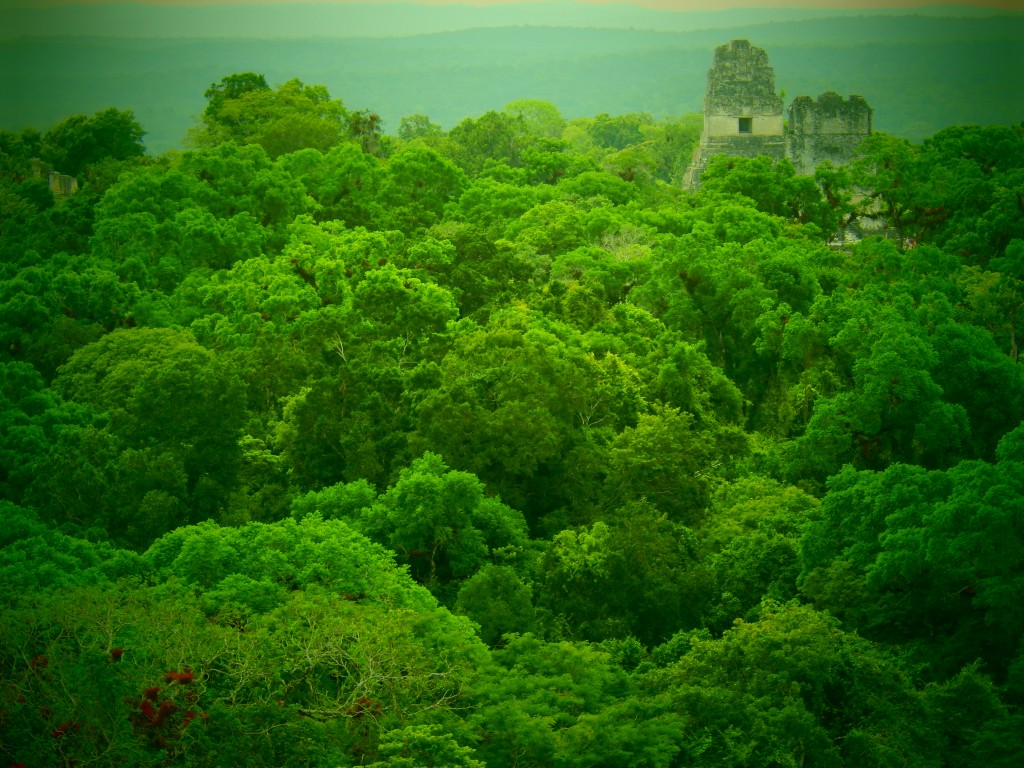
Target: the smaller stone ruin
(60, 184)
(830, 128)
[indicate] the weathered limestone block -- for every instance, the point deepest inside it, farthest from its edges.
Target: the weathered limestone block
(830, 128)
(741, 98)
(60, 184)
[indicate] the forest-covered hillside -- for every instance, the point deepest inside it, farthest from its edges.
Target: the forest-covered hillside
(491, 446)
(919, 74)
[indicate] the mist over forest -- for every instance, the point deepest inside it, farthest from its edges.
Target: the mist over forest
(919, 73)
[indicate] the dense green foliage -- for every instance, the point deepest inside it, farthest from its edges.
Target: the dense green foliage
(492, 446)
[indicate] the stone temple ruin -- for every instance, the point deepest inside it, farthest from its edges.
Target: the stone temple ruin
(743, 117)
(60, 184)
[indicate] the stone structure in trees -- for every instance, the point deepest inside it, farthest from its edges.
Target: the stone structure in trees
(742, 112)
(743, 117)
(60, 184)
(830, 129)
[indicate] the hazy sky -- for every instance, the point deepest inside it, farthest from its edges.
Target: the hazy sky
(679, 5)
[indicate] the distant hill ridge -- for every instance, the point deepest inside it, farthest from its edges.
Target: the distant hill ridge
(920, 73)
(398, 19)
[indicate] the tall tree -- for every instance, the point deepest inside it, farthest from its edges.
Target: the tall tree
(80, 141)
(244, 109)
